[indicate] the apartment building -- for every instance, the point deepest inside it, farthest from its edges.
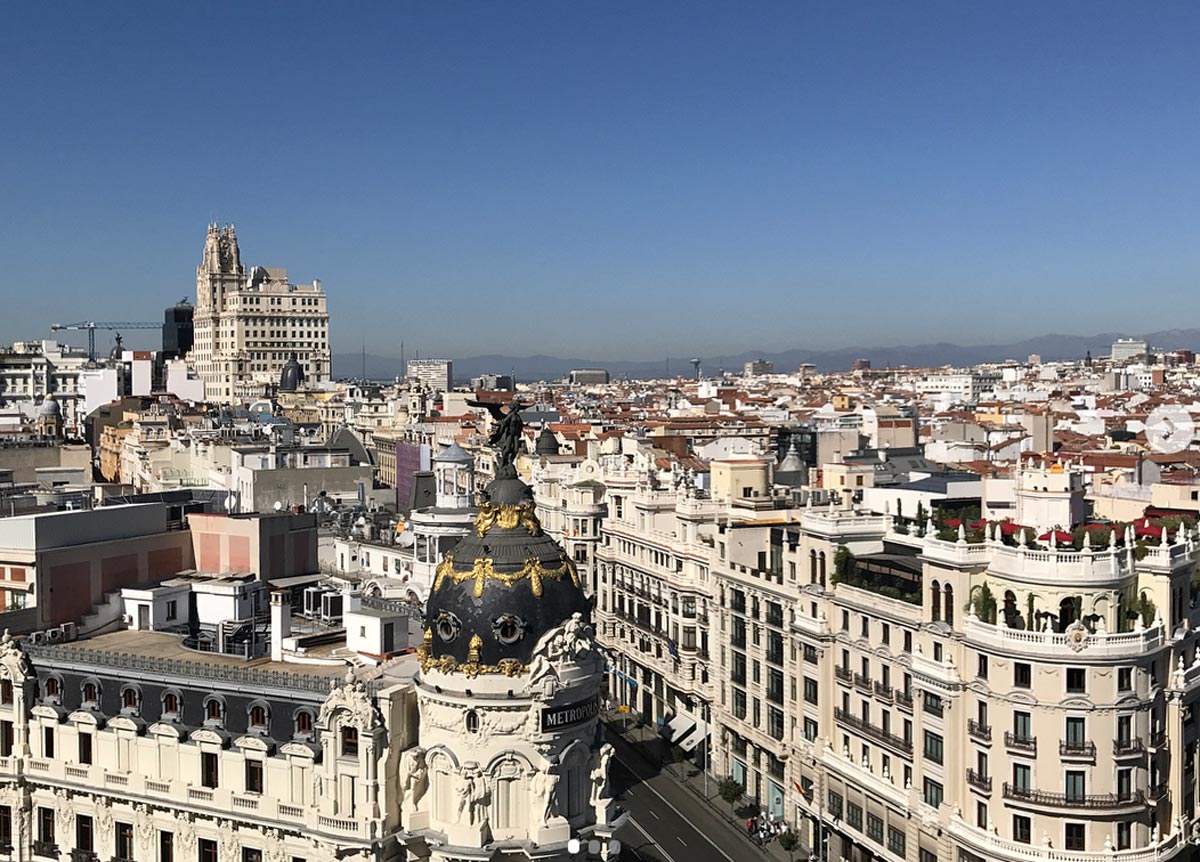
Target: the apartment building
(127, 746)
(912, 694)
(247, 325)
(960, 700)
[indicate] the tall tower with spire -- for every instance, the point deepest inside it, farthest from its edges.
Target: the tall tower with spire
(248, 324)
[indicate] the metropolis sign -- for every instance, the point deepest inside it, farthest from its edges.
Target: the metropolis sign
(559, 717)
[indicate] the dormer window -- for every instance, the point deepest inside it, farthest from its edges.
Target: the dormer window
(170, 705)
(304, 723)
(214, 711)
(349, 742)
(90, 694)
(129, 699)
(258, 716)
(53, 689)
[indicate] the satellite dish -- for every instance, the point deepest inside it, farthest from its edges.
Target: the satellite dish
(278, 506)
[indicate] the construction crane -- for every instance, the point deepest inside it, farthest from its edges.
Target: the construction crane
(91, 326)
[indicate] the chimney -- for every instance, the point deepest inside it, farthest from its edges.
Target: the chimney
(281, 622)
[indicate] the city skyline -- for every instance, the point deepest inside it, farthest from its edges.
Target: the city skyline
(890, 178)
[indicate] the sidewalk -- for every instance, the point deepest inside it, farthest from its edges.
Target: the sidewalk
(657, 751)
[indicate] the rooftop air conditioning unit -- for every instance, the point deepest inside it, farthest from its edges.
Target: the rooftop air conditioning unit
(69, 632)
(37, 637)
(54, 635)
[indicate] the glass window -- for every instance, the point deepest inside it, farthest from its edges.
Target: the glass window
(933, 792)
(1073, 836)
(1021, 828)
(1022, 675)
(1075, 785)
(934, 747)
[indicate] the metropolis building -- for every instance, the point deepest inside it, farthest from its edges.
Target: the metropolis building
(482, 744)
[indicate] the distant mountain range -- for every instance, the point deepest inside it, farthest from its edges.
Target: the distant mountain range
(540, 367)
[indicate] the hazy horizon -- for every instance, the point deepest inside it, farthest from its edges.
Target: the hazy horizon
(607, 180)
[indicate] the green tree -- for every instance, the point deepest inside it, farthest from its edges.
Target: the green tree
(789, 842)
(731, 791)
(843, 565)
(984, 603)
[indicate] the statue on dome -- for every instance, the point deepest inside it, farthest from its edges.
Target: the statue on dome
(506, 436)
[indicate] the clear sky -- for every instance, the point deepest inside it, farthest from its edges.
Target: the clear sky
(612, 179)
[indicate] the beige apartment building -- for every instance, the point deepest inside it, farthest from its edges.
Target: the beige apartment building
(899, 696)
(249, 324)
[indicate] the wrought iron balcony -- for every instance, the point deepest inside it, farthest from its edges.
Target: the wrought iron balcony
(863, 682)
(1097, 801)
(1133, 745)
(1157, 792)
(1076, 749)
(45, 848)
(882, 691)
(904, 700)
(979, 731)
(1021, 743)
(869, 730)
(979, 782)
(843, 673)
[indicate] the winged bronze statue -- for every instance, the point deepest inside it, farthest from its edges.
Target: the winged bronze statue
(509, 428)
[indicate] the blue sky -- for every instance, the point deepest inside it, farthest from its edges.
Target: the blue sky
(615, 179)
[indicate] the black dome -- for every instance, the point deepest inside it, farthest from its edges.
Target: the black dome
(505, 585)
(547, 443)
(292, 375)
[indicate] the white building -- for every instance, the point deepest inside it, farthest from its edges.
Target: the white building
(437, 375)
(248, 324)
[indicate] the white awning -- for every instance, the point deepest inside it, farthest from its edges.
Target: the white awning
(699, 734)
(677, 727)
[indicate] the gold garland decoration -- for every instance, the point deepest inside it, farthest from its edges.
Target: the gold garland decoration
(483, 571)
(448, 664)
(507, 518)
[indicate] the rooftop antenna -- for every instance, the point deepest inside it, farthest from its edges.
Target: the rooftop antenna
(364, 360)
(403, 367)
(696, 367)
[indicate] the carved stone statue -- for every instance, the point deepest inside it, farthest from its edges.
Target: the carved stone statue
(599, 776)
(545, 790)
(462, 798)
(477, 815)
(414, 779)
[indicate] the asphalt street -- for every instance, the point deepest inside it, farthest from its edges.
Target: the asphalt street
(667, 823)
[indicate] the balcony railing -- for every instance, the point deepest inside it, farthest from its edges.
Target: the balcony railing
(883, 691)
(843, 673)
(1074, 800)
(871, 731)
(979, 731)
(1157, 792)
(1132, 745)
(863, 682)
(979, 782)
(1074, 748)
(45, 848)
(1021, 743)
(904, 699)
(83, 856)
(1158, 738)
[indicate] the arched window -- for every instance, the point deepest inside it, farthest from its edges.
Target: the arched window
(949, 602)
(129, 698)
(170, 704)
(935, 596)
(52, 688)
(472, 721)
(258, 716)
(90, 693)
(213, 709)
(812, 566)
(821, 568)
(304, 722)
